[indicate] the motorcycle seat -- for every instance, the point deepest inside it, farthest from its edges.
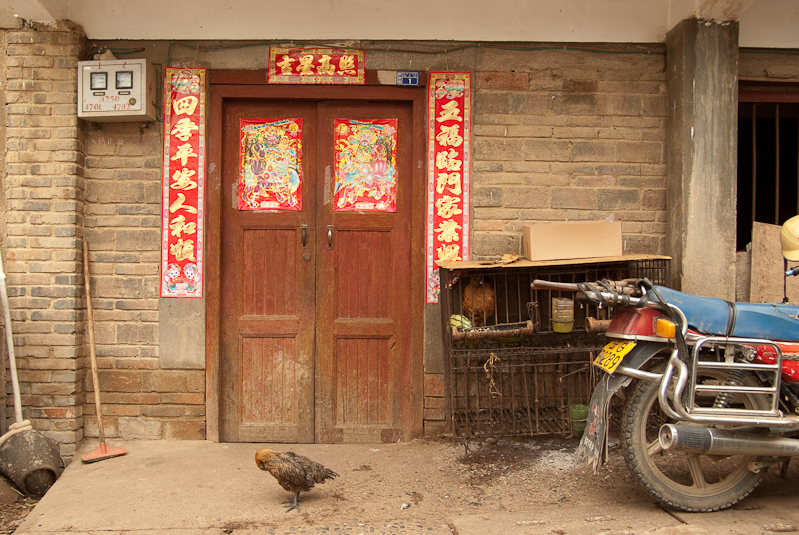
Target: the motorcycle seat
(714, 316)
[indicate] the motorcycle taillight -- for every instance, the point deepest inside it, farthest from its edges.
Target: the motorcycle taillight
(634, 321)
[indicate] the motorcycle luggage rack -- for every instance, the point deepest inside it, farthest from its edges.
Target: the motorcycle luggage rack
(772, 372)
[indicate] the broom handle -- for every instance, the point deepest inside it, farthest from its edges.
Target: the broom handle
(12, 360)
(90, 317)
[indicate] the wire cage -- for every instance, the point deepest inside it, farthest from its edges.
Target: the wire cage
(514, 366)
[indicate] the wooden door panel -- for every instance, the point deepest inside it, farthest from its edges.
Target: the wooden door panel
(269, 379)
(267, 299)
(363, 299)
(363, 275)
(363, 370)
(270, 262)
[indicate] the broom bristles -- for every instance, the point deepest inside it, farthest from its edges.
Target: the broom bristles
(103, 452)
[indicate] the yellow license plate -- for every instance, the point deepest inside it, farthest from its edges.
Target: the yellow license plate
(610, 356)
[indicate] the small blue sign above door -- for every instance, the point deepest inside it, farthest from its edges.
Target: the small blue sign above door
(408, 78)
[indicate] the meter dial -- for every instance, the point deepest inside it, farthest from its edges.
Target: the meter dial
(124, 80)
(99, 81)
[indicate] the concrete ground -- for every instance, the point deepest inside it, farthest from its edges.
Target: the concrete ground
(431, 487)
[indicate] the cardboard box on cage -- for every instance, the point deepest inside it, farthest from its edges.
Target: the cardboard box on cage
(572, 239)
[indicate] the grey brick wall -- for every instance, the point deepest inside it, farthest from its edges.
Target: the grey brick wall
(568, 135)
(123, 195)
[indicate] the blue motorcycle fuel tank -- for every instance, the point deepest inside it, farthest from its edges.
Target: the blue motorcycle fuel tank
(711, 315)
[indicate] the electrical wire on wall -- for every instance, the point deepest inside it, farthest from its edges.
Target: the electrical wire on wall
(95, 50)
(444, 51)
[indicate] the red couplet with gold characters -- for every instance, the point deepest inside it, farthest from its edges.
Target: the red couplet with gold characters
(183, 183)
(449, 155)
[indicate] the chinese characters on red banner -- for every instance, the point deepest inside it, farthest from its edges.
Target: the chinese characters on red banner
(316, 66)
(448, 167)
(183, 182)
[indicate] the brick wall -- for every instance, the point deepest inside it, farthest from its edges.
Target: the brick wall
(564, 135)
(122, 224)
(66, 179)
(765, 66)
(558, 135)
(44, 193)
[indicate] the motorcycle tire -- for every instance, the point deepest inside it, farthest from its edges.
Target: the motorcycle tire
(683, 481)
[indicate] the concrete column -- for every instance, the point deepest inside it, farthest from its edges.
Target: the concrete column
(702, 123)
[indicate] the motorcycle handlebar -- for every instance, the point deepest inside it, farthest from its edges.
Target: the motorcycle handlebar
(611, 297)
(618, 293)
(549, 285)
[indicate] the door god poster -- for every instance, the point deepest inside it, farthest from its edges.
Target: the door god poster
(182, 183)
(449, 124)
(366, 165)
(270, 166)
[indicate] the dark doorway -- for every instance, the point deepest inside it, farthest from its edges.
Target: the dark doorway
(768, 158)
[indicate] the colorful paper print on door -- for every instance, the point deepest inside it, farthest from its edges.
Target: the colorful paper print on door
(270, 167)
(365, 160)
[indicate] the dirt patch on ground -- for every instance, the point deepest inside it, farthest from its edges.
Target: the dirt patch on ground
(12, 514)
(487, 461)
(431, 479)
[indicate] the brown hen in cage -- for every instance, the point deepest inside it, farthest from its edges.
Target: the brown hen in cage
(478, 301)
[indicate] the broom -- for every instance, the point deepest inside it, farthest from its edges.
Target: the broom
(104, 451)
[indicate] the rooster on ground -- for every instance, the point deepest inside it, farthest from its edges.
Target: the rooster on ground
(295, 473)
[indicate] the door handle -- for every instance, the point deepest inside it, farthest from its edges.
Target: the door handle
(304, 237)
(330, 236)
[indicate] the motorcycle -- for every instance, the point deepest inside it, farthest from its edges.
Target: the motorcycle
(711, 390)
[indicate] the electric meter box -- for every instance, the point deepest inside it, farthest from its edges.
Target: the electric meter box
(116, 90)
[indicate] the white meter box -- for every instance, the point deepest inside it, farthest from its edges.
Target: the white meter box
(116, 90)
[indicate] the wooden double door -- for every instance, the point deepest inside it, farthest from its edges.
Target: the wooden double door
(315, 304)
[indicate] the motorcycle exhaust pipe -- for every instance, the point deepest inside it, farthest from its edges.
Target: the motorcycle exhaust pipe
(723, 442)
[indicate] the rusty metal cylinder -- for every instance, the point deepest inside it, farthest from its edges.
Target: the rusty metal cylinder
(593, 325)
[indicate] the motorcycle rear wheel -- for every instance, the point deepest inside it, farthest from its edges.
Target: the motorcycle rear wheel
(684, 481)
